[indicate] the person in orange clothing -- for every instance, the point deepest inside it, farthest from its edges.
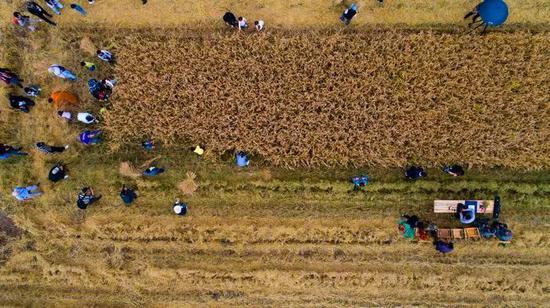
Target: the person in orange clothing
(63, 99)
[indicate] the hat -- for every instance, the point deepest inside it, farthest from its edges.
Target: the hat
(177, 209)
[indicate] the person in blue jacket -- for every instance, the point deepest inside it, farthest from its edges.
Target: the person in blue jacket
(153, 171)
(348, 14)
(128, 195)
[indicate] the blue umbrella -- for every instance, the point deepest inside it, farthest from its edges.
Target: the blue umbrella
(493, 12)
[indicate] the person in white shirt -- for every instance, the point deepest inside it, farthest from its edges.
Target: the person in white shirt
(86, 118)
(259, 24)
(65, 115)
(243, 24)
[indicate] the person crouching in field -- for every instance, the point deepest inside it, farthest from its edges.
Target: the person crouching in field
(50, 149)
(180, 208)
(128, 195)
(10, 78)
(106, 56)
(348, 14)
(259, 25)
(26, 193)
(90, 137)
(153, 171)
(6, 151)
(243, 23)
(86, 197)
(230, 20)
(58, 173)
(61, 72)
(21, 103)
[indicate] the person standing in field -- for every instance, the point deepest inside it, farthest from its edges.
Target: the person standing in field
(230, 20)
(55, 5)
(348, 14)
(38, 11)
(259, 25)
(86, 197)
(10, 78)
(88, 65)
(61, 72)
(106, 56)
(79, 9)
(243, 23)
(23, 21)
(50, 149)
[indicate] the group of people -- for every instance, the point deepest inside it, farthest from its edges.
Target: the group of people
(241, 23)
(65, 102)
(37, 10)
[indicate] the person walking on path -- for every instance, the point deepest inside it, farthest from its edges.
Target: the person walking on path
(26, 193)
(50, 149)
(86, 197)
(90, 137)
(106, 56)
(79, 9)
(38, 11)
(21, 103)
(10, 78)
(62, 72)
(58, 173)
(180, 208)
(55, 5)
(90, 66)
(348, 14)
(128, 195)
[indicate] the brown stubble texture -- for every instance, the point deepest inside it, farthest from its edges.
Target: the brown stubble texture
(375, 97)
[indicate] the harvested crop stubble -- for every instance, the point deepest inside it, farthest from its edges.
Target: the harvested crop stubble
(376, 97)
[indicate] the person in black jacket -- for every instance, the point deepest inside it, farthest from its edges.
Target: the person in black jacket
(58, 173)
(231, 20)
(21, 103)
(35, 9)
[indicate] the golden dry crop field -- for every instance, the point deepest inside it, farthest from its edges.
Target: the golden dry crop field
(315, 105)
